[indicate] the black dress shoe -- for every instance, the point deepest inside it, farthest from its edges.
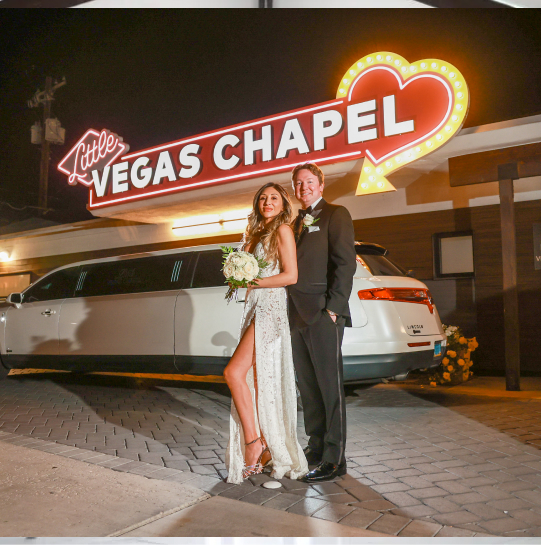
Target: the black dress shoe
(312, 457)
(325, 471)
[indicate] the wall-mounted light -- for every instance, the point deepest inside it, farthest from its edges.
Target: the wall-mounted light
(4, 256)
(231, 221)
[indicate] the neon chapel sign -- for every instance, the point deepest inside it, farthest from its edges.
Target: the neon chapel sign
(387, 110)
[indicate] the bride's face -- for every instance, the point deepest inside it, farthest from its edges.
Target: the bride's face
(270, 204)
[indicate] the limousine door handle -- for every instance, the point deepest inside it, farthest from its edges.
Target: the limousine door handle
(48, 312)
(240, 301)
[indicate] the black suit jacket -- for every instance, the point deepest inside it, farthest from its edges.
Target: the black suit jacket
(326, 263)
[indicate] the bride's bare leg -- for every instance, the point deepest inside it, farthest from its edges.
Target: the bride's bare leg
(235, 376)
(267, 456)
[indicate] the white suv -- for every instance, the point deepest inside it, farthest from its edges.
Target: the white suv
(164, 312)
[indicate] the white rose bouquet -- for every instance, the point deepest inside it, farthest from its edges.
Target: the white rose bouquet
(240, 269)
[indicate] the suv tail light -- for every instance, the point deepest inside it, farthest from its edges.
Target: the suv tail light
(400, 295)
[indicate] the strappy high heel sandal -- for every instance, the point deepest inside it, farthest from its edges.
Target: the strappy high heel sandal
(257, 468)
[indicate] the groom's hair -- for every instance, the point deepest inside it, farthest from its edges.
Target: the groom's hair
(312, 167)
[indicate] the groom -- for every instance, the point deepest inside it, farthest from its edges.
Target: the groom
(318, 313)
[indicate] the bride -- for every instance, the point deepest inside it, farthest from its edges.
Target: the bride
(263, 423)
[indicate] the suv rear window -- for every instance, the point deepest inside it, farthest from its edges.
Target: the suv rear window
(377, 264)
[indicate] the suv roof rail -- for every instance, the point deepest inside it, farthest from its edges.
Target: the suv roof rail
(373, 248)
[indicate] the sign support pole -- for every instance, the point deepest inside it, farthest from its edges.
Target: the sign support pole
(45, 144)
(509, 258)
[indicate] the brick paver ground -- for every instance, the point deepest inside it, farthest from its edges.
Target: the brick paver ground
(419, 464)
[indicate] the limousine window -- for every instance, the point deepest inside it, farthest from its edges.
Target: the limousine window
(58, 285)
(146, 274)
(208, 270)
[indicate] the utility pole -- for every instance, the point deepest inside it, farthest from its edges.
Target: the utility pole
(44, 167)
(50, 131)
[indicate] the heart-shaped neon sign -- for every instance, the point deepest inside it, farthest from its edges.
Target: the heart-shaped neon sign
(425, 105)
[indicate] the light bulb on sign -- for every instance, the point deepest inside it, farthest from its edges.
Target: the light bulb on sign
(418, 149)
(4, 256)
(352, 72)
(378, 170)
(448, 128)
(397, 62)
(364, 185)
(460, 95)
(457, 84)
(379, 57)
(439, 137)
(423, 65)
(388, 164)
(434, 65)
(360, 64)
(371, 178)
(428, 144)
(389, 58)
(367, 169)
(459, 107)
(381, 185)
(346, 81)
(444, 68)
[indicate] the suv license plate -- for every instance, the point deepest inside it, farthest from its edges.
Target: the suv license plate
(437, 349)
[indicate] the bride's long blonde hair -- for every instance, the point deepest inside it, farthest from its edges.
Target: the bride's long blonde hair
(268, 233)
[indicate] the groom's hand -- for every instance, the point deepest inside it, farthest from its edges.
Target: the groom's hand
(333, 315)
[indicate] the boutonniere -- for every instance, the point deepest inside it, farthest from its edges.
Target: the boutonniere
(308, 223)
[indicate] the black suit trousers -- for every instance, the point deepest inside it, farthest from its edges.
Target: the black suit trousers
(317, 350)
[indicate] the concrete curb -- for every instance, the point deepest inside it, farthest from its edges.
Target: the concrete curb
(159, 516)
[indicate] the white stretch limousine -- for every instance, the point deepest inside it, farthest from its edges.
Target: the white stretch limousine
(164, 312)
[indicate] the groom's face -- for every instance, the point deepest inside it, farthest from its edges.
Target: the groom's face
(307, 187)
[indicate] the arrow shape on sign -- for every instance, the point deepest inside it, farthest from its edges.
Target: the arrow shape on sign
(370, 181)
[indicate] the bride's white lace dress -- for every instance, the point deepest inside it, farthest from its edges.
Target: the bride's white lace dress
(276, 410)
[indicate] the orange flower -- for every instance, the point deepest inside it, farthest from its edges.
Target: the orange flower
(462, 340)
(433, 384)
(445, 361)
(446, 376)
(451, 353)
(450, 368)
(461, 362)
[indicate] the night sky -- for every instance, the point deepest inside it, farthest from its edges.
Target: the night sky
(156, 76)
